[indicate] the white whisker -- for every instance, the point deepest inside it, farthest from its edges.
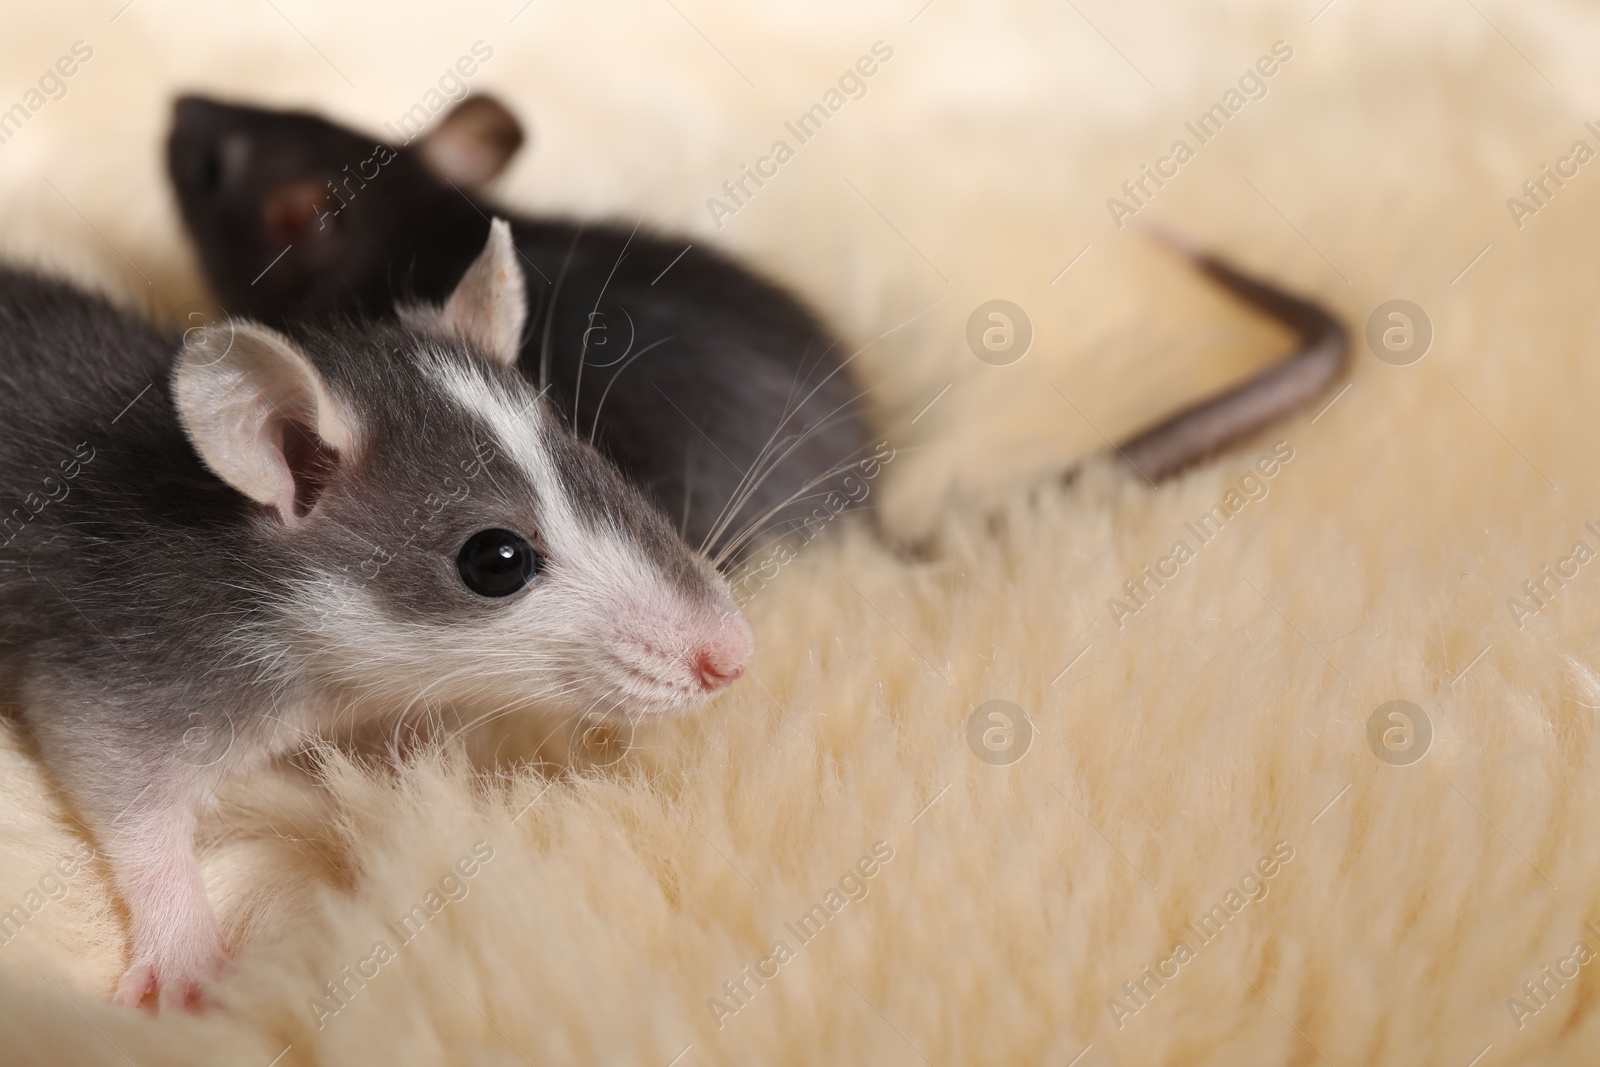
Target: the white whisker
(583, 353)
(595, 425)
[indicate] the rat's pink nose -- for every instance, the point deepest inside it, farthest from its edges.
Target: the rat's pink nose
(722, 660)
(714, 674)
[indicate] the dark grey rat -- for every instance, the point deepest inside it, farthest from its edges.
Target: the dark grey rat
(209, 553)
(716, 391)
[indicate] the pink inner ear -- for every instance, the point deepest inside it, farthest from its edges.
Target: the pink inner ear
(311, 464)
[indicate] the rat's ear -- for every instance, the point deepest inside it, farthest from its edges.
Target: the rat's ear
(472, 143)
(260, 415)
(490, 304)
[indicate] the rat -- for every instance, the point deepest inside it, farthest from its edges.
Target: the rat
(719, 393)
(216, 547)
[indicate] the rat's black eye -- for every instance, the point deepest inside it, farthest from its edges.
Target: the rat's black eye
(497, 562)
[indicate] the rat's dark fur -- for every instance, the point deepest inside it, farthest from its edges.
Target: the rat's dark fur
(724, 398)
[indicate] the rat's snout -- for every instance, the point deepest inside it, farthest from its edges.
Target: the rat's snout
(722, 659)
(669, 658)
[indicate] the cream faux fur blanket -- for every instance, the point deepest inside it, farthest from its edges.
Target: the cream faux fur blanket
(1198, 830)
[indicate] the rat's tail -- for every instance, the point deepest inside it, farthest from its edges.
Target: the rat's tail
(1202, 430)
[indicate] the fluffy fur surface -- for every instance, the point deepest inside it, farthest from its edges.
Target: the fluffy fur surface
(1176, 758)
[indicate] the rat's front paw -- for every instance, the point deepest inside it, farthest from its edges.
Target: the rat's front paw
(174, 983)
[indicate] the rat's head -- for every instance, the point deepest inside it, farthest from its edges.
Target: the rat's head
(446, 538)
(289, 209)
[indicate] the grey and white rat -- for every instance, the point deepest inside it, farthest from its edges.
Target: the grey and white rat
(208, 553)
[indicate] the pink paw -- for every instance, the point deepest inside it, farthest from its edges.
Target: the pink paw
(174, 985)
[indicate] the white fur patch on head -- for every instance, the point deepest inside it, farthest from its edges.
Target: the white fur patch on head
(518, 424)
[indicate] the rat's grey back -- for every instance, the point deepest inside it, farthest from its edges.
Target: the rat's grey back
(106, 511)
(65, 356)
